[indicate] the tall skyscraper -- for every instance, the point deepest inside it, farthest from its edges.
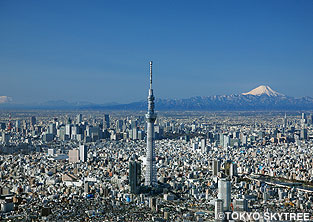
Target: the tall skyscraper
(303, 116)
(5, 137)
(233, 170)
(218, 210)
(68, 128)
(203, 146)
(52, 129)
(79, 118)
(119, 125)
(17, 124)
(216, 167)
(134, 176)
(106, 122)
(135, 133)
(224, 192)
(33, 121)
(150, 177)
(310, 119)
(285, 121)
(82, 153)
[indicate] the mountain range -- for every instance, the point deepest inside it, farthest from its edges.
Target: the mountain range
(260, 98)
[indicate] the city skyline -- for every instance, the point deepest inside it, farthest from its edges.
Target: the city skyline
(96, 52)
(66, 165)
(224, 133)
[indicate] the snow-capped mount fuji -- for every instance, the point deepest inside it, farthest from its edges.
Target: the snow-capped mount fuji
(263, 90)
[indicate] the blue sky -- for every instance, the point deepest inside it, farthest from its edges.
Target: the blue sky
(99, 51)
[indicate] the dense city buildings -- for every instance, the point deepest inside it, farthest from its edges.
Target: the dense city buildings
(206, 163)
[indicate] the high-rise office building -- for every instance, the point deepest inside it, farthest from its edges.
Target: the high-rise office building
(285, 121)
(119, 125)
(135, 133)
(5, 137)
(218, 210)
(233, 170)
(303, 116)
(216, 167)
(310, 119)
(221, 139)
(2, 126)
(133, 124)
(227, 166)
(134, 176)
(82, 153)
(303, 120)
(106, 122)
(150, 176)
(203, 146)
(304, 134)
(73, 156)
(224, 193)
(17, 124)
(68, 129)
(69, 121)
(47, 137)
(140, 135)
(61, 133)
(52, 129)
(33, 121)
(74, 132)
(226, 141)
(79, 118)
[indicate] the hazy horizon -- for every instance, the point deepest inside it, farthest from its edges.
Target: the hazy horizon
(100, 51)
